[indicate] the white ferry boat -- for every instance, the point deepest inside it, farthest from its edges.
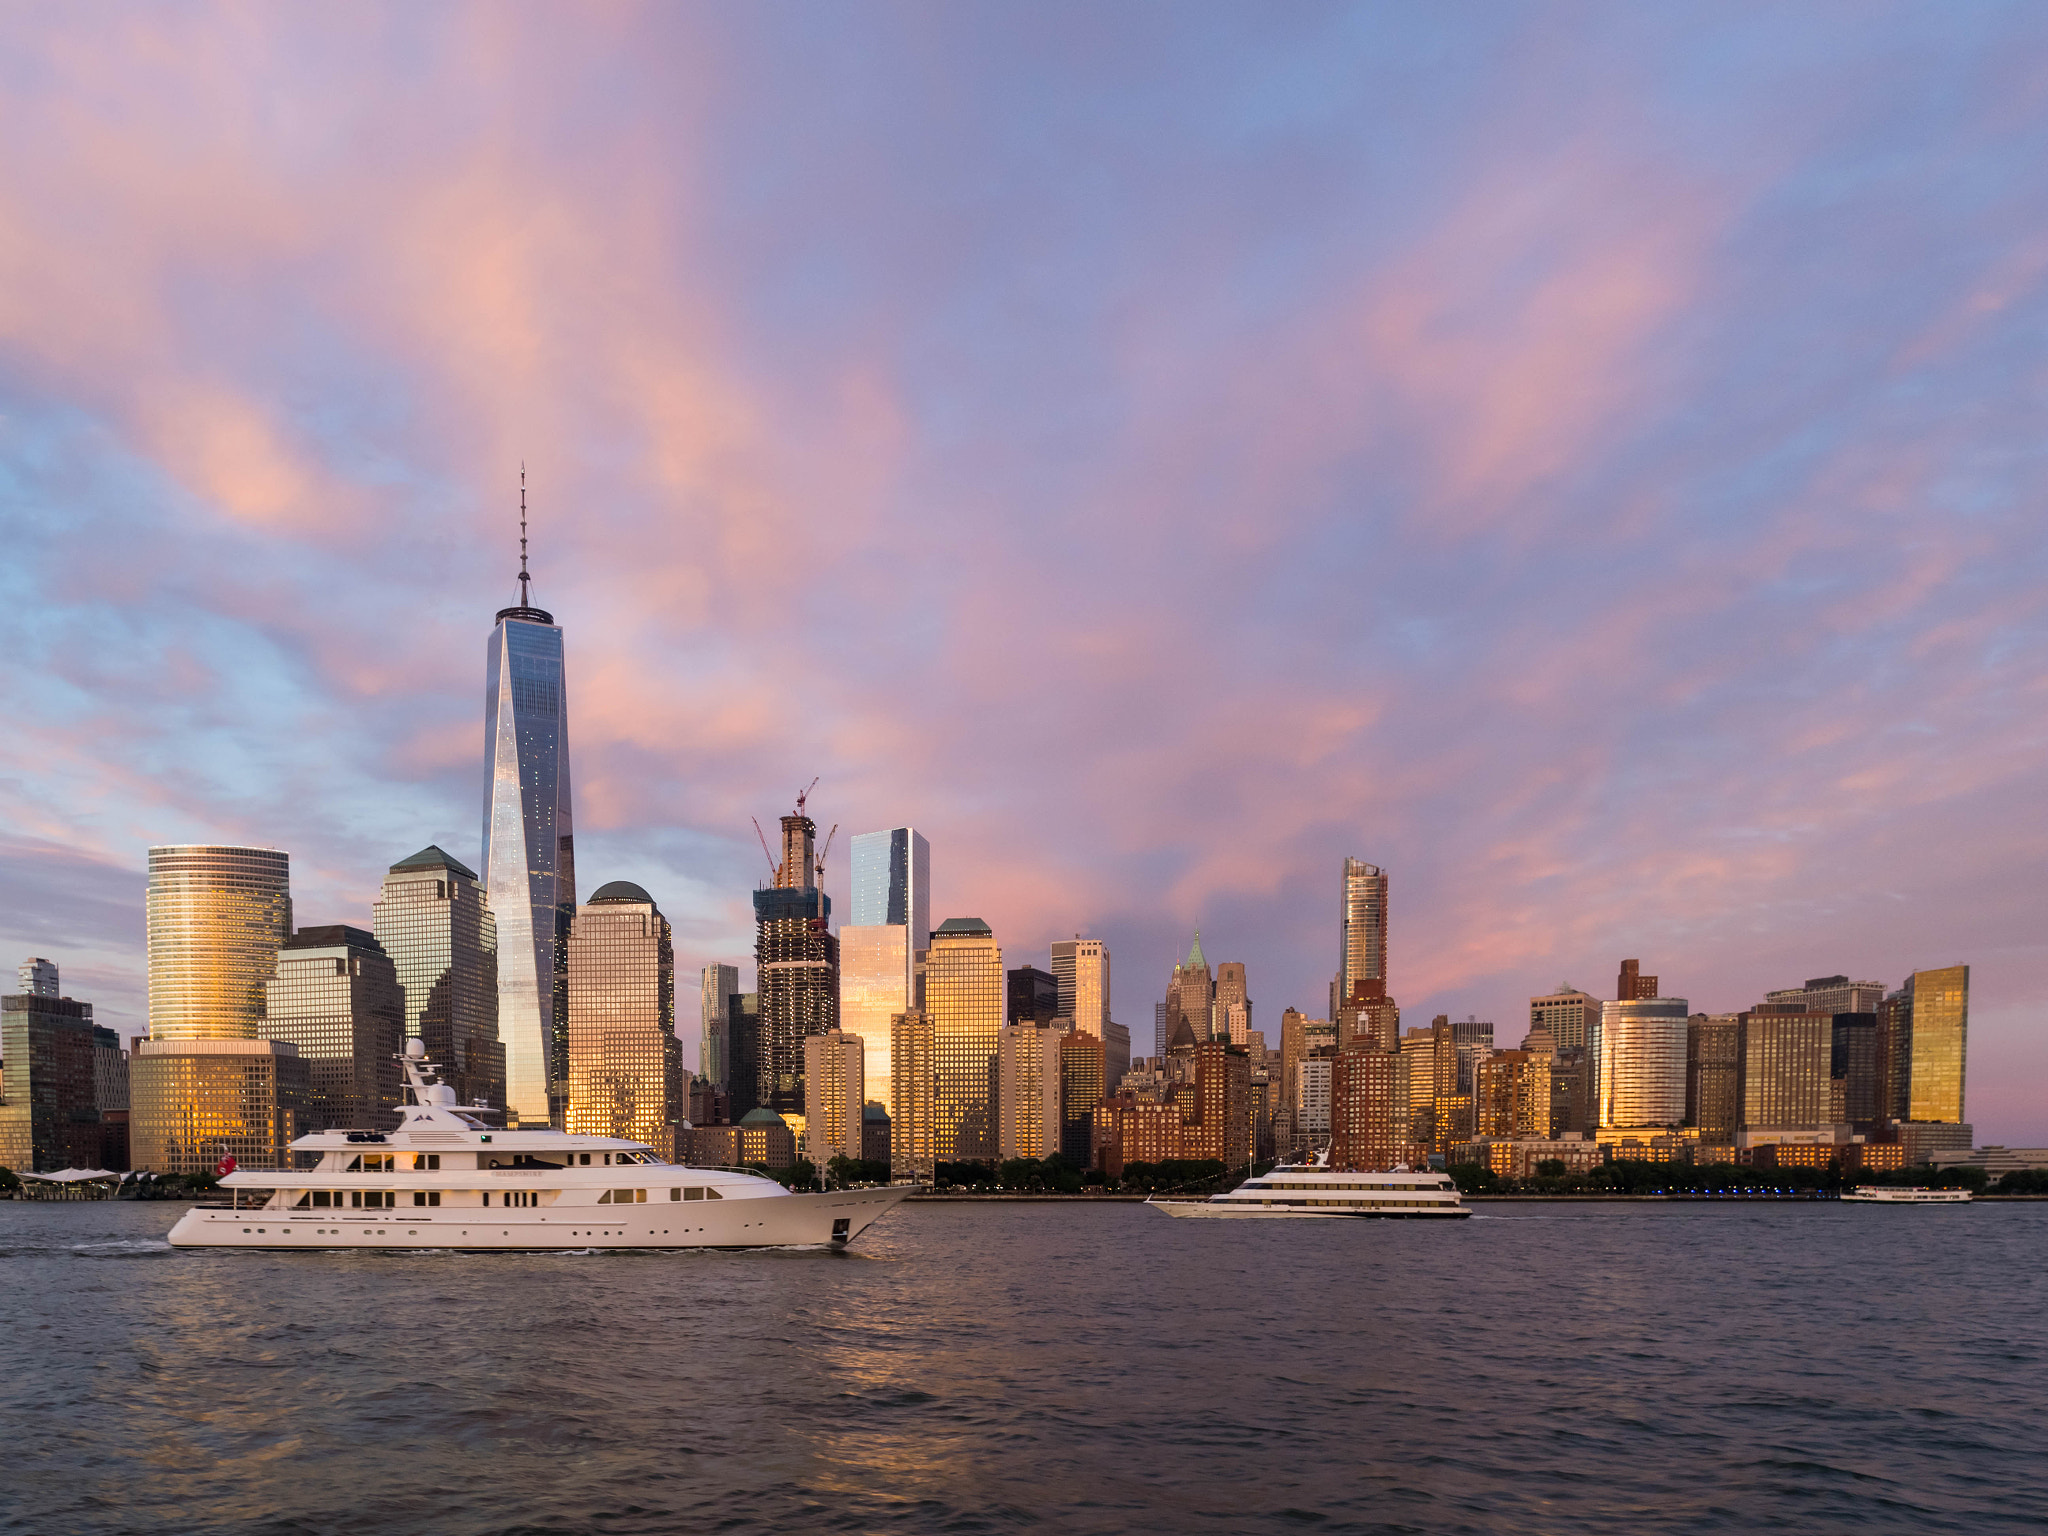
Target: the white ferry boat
(1885, 1194)
(1323, 1192)
(445, 1178)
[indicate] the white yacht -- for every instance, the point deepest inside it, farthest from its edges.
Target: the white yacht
(1889, 1194)
(1290, 1191)
(445, 1178)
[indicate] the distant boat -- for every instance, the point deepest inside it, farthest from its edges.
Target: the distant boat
(1884, 1194)
(1294, 1192)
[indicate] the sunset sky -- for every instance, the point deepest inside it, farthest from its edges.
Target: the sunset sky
(1589, 460)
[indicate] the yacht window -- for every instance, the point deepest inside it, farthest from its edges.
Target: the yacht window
(712, 1194)
(427, 1160)
(693, 1194)
(322, 1198)
(426, 1197)
(607, 1159)
(304, 1200)
(586, 1159)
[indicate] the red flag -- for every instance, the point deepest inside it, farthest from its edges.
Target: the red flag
(227, 1166)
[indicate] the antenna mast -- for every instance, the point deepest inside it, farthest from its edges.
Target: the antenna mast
(523, 577)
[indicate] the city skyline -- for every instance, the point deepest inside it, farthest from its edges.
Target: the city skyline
(1704, 622)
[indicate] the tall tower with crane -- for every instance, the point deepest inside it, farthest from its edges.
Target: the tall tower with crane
(796, 957)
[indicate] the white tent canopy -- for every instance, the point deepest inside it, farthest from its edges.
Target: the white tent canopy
(73, 1175)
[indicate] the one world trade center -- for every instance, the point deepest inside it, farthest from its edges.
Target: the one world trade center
(529, 849)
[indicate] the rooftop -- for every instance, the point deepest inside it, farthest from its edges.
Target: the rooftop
(965, 927)
(621, 890)
(432, 857)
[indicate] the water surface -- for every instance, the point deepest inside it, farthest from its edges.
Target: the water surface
(1011, 1367)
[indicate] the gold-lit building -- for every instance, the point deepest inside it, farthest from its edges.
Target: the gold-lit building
(1081, 969)
(626, 1073)
(216, 916)
(1568, 1014)
(1369, 1120)
(433, 921)
(965, 992)
(1083, 1084)
(875, 979)
(835, 1093)
(1636, 1060)
(1931, 1015)
(913, 1093)
(336, 998)
(1782, 1067)
(198, 1101)
(1513, 1094)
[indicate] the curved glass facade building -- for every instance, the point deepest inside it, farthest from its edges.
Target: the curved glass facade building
(529, 856)
(1637, 1062)
(216, 918)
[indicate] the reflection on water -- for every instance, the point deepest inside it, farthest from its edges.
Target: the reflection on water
(1013, 1367)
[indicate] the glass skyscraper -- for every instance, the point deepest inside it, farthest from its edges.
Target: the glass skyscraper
(1362, 933)
(717, 986)
(433, 921)
(892, 882)
(964, 997)
(1081, 967)
(1637, 1061)
(1935, 1008)
(216, 916)
(337, 998)
(879, 948)
(626, 1073)
(529, 853)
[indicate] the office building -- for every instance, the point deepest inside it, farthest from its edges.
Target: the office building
(1190, 997)
(1231, 1011)
(1632, 985)
(1831, 995)
(215, 916)
(1361, 933)
(835, 1096)
(913, 1096)
(1855, 1061)
(875, 1133)
(49, 1107)
(892, 876)
(529, 849)
(743, 1039)
(876, 981)
(796, 966)
(1416, 1071)
(1028, 1088)
(1083, 1084)
(1034, 996)
(433, 921)
(198, 1101)
(1927, 1036)
(1080, 967)
(1568, 1014)
(626, 1076)
(717, 985)
(964, 988)
(1636, 1061)
(1713, 1055)
(1116, 1049)
(337, 999)
(1783, 1068)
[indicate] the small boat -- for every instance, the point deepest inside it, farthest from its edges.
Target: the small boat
(446, 1178)
(1318, 1192)
(1891, 1194)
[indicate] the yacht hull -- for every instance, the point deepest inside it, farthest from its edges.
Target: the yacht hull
(782, 1221)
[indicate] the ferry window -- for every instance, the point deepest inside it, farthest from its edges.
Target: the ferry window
(586, 1159)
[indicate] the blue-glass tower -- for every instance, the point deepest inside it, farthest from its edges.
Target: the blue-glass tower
(529, 849)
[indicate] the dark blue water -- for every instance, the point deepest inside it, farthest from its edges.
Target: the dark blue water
(1020, 1367)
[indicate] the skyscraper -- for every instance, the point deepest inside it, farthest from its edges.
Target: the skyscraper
(1028, 1089)
(1568, 1014)
(216, 916)
(38, 977)
(892, 875)
(875, 976)
(1081, 969)
(1034, 996)
(835, 1095)
(718, 984)
(964, 996)
(913, 1096)
(1632, 984)
(529, 848)
(1831, 995)
(1927, 1039)
(1361, 932)
(796, 960)
(1231, 1013)
(336, 997)
(432, 920)
(1636, 1060)
(204, 1084)
(1190, 996)
(1782, 1067)
(49, 1115)
(1713, 1055)
(626, 1073)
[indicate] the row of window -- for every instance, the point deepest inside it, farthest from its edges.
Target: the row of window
(385, 1199)
(391, 1162)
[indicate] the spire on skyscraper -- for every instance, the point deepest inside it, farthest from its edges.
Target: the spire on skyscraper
(1196, 959)
(524, 608)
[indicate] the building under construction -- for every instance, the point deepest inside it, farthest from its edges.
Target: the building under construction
(797, 961)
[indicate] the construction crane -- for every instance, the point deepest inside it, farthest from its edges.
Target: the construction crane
(821, 873)
(800, 799)
(774, 869)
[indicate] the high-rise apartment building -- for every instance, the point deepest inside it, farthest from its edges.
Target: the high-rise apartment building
(1361, 933)
(1713, 1055)
(204, 1085)
(1831, 995)
(1231, 1012)
(216, 916)
(1568, 1014)
(1783, 1068)
(1636, 1061)
(1926, 1029)
(964, 995)
(1418, 1067)
(1080, 967)
(1293, 1049)
(434, 923)
(835, 1095)
(49, 1113)
(1028, 1089)
(876, 979)
(1632, 984)
(717, 985)
(626, 1074)
(1033, 996)
(913, 1096)
(1511, 1094)
(1368, 1121)
(796, 963)
(529, 849)
(1312, 1103)
(336, 998)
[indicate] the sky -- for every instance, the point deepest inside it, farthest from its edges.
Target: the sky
(1587, 460)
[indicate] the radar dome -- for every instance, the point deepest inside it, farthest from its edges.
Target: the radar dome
(415, 1048)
